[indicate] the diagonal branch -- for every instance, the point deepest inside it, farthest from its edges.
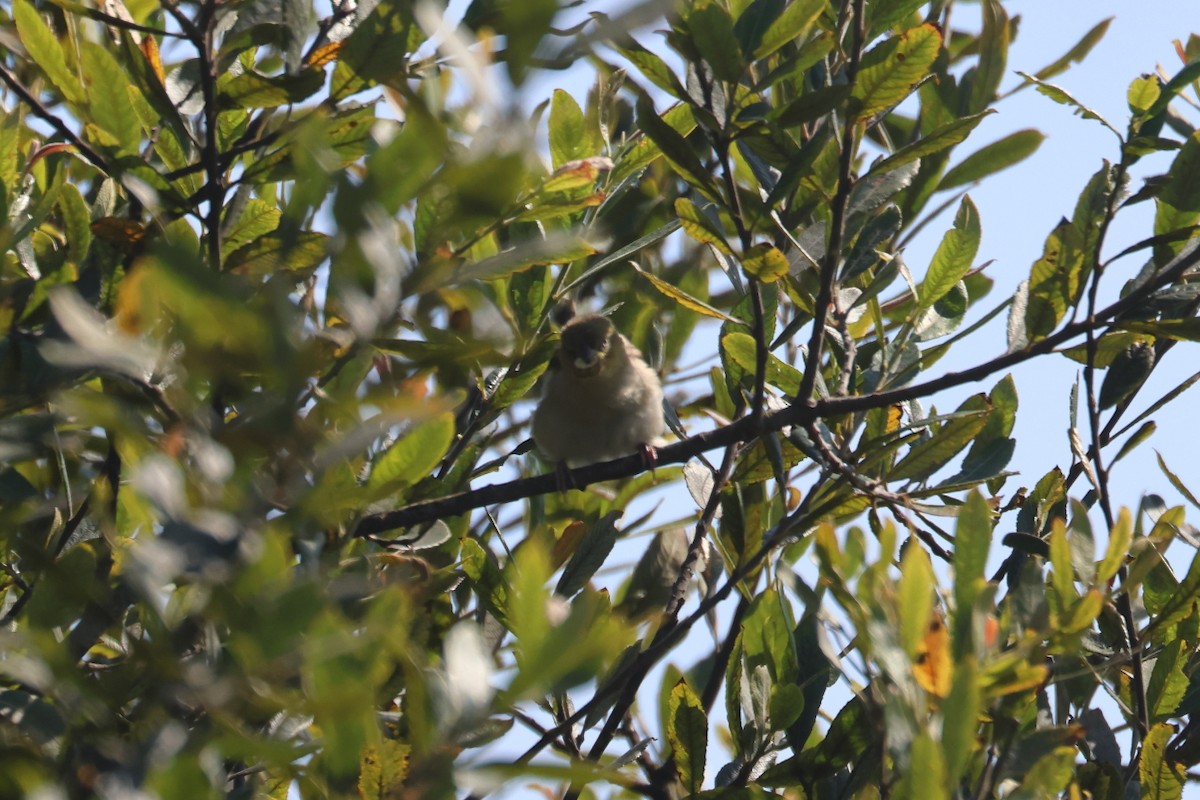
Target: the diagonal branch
(48, 116)
(745, 429)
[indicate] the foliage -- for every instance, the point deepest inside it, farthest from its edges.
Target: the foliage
(276, 294)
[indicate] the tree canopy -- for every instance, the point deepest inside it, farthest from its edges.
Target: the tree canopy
(279, 287)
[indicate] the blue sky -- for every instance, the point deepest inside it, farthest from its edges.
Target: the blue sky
(1018, 209)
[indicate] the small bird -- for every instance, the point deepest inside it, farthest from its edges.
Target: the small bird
(601, 401)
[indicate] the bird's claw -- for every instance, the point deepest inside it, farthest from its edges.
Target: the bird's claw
(563, 478)
(649, 456)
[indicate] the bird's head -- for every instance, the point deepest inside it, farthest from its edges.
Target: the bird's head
(586, 343)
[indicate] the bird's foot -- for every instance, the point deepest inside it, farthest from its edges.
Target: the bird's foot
(649, 456)
(563, 477)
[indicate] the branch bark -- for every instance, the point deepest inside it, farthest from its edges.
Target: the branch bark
(745, 429)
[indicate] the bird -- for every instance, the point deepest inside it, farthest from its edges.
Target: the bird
(601, 399)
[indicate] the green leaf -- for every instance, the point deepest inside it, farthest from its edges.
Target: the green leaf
(884, 14)
(939, 140)
(791, 25)
(812, 673)
(990, 159)
(741, 349)
(1142, 94)
(1184, 329)
(1108, 347)
(644, 151)
(113, 124)
(624, 253)
(687, 732)
(810, 105)
(571, 138)
(765, 262)
(700, 226)
(252, 90)
(1162, 778)
(524, 25)
(44, 48)
(653, 67)
(516, 384)
(1139, 437)
(1062, 574)
(77, 222)
(557, 248)
(1048, 776)
(915, 595)
(931, 454)
(1077, 53)
(1181, 80)
(1126, 374)
(1101, 780)
(711, 28)
(999, 426)
(891, 70)
(589, 554)
(1063, 97)
(676, 149)
(377, 51)
(972, 540)
(1168, 681)
(954, 255)
(960, 718)
(983, 81)
(1179, 604)
(1092, 209)
(1117, 548)
(1179, 201)
(258, 219)
(767, 628)
(415, 455)
(926, 774)
(1176, 482)
(271, 254)
(1054, 281)
(849, 736)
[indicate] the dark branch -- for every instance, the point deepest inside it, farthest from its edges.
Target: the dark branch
(745, 429)
(59, 126)
(837, 217)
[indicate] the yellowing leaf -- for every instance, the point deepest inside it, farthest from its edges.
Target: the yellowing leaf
(149, 48)
(765, 262)
(895, 413)
(683, 298)
(576, 174)
(324, 54)
(932, 667)
(124, 233)
(382, 770)
(699, 226)
(893, 69)
(687, 731)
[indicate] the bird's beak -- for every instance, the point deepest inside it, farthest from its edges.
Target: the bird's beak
(587, 363)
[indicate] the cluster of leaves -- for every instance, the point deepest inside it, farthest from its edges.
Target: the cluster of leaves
(276, 285)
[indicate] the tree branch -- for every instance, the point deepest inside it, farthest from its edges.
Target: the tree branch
(837, 217)
(46, 115)
(745, 429)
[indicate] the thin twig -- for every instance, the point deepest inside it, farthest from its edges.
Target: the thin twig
(837, 216)
(874, 489)
(674, 604)
(48, 116)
